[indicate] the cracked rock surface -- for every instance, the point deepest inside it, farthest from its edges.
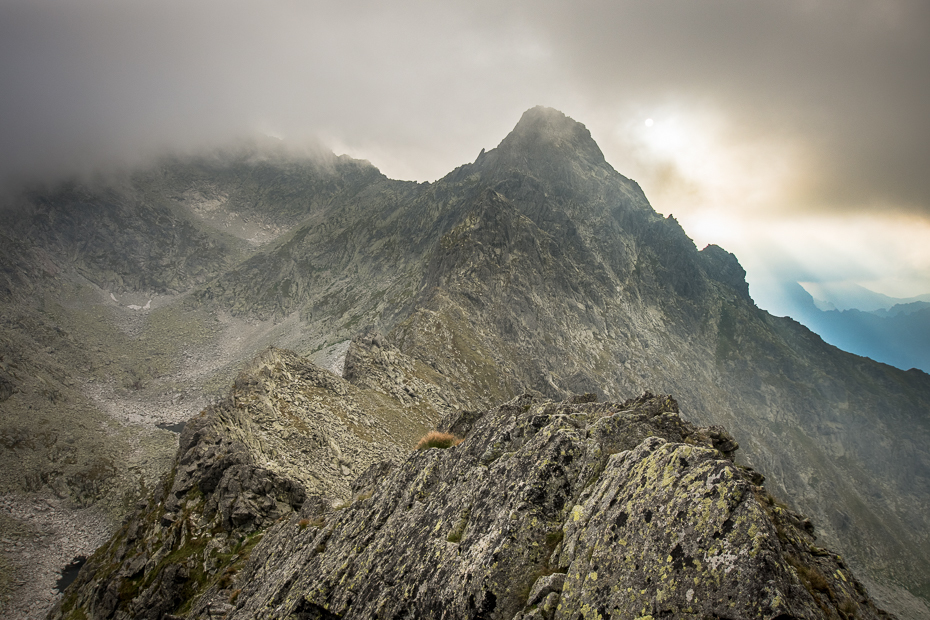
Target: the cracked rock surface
(552, 510)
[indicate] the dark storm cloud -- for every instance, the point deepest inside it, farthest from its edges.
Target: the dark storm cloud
(425, 85)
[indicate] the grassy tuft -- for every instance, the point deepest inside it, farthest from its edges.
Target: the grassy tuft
(437, 439)
(316, 522)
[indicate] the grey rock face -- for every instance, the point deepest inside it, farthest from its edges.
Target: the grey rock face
(566, 281)
(202, 518)
(545, 510)
(554, 510)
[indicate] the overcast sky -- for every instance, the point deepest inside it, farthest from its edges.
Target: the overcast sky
(794, 133)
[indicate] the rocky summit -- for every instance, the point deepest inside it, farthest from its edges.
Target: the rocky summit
(543, 510)
(303, 321)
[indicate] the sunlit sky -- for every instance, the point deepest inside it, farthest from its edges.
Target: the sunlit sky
(795, 134)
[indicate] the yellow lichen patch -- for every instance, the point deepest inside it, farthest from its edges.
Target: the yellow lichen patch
(588, 612)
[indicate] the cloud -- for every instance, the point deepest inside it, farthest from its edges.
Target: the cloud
(771, 111)
(843, 80)
(89, 83)
(98, 77)
(886, 254)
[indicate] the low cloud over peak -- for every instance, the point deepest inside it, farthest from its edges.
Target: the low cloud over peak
(772, 112)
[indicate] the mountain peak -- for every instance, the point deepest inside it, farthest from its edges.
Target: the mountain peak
(544, 132)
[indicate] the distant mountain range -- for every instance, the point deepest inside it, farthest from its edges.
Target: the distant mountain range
(852, 296)
(886, 329)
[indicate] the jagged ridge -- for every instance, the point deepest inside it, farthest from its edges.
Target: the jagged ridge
(546, 510)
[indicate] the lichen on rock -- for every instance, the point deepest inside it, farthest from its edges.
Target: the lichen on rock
(586, 510)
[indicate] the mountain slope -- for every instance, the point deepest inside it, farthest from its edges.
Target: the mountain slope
(538, 268)
(545, 510)
(817, 419)
(101, 353)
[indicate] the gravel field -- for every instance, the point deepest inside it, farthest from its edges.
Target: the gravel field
(41, 535)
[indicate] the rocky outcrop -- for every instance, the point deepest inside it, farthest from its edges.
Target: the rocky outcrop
(725, 268)
(287, 429)
(551, 510)
(545, 510)
(203, 517)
